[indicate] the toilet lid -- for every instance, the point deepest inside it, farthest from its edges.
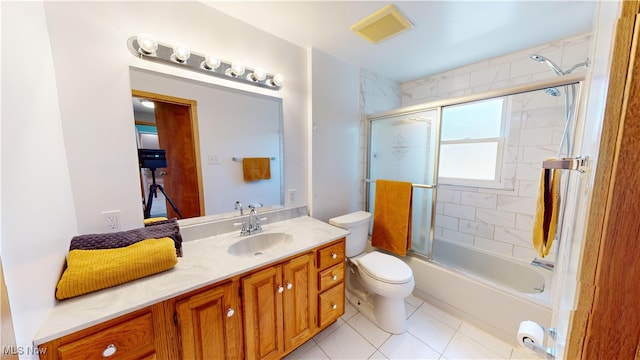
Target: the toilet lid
(385, 268)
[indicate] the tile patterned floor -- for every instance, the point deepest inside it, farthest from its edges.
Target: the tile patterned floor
(431, 334)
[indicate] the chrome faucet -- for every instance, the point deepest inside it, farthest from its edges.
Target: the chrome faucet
(545, 264)
(250, 225)
(254, 219)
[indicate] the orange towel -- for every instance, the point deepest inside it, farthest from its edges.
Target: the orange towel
(392, 216)
(546, 219)
(256, 168)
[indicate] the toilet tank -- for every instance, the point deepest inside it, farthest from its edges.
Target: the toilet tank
(357, 223)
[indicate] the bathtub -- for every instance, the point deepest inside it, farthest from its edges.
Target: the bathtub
(494, 294)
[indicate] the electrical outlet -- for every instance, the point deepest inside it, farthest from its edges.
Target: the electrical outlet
(111, 220)
(292, 195)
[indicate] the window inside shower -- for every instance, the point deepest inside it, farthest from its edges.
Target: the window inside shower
(472, 143)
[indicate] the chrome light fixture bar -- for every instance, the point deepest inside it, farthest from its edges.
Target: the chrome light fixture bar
(144, 47)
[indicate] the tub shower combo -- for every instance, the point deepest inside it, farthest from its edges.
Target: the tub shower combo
(463, 154)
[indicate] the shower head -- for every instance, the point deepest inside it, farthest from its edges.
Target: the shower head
(555, 68)
(552, 91)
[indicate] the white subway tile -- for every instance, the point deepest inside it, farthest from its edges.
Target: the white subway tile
(495, 217)
(447, 222)
(516, 204)
(477, 228)
(460, 211)
(482, 200)
(458, 237)
(524, 222)
(513, 236)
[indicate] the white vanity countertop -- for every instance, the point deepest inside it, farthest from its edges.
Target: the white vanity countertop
(205, 261)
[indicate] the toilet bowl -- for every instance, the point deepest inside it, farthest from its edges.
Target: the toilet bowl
(377, 283)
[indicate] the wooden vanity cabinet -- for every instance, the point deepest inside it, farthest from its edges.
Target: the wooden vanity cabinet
(138, 335)
(209, 323)
(279, 308)
(264, 314)
(331, 267)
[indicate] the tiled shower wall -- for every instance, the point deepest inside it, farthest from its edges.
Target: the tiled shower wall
(498, 221)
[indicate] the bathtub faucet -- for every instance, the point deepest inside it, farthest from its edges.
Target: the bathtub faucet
(545, 264)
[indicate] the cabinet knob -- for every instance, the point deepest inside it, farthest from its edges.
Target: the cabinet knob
(230, 312)
(280, 289)
(334, 277)
(289, 286)
(109, 350)
(334, 306)
(334, 255)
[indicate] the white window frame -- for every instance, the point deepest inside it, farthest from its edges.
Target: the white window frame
(498, 181)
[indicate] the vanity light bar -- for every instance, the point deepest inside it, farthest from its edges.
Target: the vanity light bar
(146, 48)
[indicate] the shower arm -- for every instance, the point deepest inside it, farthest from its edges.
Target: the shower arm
(582, 64)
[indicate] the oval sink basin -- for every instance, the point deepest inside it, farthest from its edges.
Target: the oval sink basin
(259, 244)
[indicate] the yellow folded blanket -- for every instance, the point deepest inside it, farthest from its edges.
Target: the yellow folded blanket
(392, 216)
(91, 270)
(546, 219)
(256, 168)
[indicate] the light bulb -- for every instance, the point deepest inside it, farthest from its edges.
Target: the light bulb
(277, 80)
(147, 45)
(235, 70)
(147, 103)
(181, 54)
(211, 62)
(257, 75)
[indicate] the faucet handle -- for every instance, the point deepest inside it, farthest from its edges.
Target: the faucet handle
(238, 206)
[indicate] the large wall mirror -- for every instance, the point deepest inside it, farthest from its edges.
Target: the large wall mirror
(205, 132)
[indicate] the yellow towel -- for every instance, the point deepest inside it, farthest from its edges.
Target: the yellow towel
(154, 219)
(256, 168)
(546, 219)
(91, 270)
(392, 216)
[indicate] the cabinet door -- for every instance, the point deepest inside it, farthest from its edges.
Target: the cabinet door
(299, 301)
(210, 324)
(262, 303)
(138, 335)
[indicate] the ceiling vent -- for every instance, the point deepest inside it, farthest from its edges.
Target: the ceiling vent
(382, 24)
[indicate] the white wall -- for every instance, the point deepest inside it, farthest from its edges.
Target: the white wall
(38, 216)
(67, 124)
(92, 62)
(335, 134)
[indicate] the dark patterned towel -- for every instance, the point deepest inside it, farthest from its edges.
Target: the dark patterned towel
(155, 230)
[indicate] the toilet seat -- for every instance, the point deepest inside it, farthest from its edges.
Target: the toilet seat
(385, 268)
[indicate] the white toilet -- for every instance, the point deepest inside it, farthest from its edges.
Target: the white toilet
(377, 283)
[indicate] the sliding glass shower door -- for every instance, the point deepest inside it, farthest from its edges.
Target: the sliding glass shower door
(404, 147)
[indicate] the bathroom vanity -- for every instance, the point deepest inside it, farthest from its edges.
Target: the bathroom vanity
(255, 297)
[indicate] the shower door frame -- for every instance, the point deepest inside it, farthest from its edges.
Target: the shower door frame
(437, 105)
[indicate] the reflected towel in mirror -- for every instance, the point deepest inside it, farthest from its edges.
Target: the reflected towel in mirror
(256, 168)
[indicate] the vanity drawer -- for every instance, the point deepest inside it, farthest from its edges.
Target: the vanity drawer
(331, 255)
(130, 339)
(331, 305)
(331, 276)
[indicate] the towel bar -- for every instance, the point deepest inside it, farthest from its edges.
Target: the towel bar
(577, 163)
(239, 159)
(424, 186)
